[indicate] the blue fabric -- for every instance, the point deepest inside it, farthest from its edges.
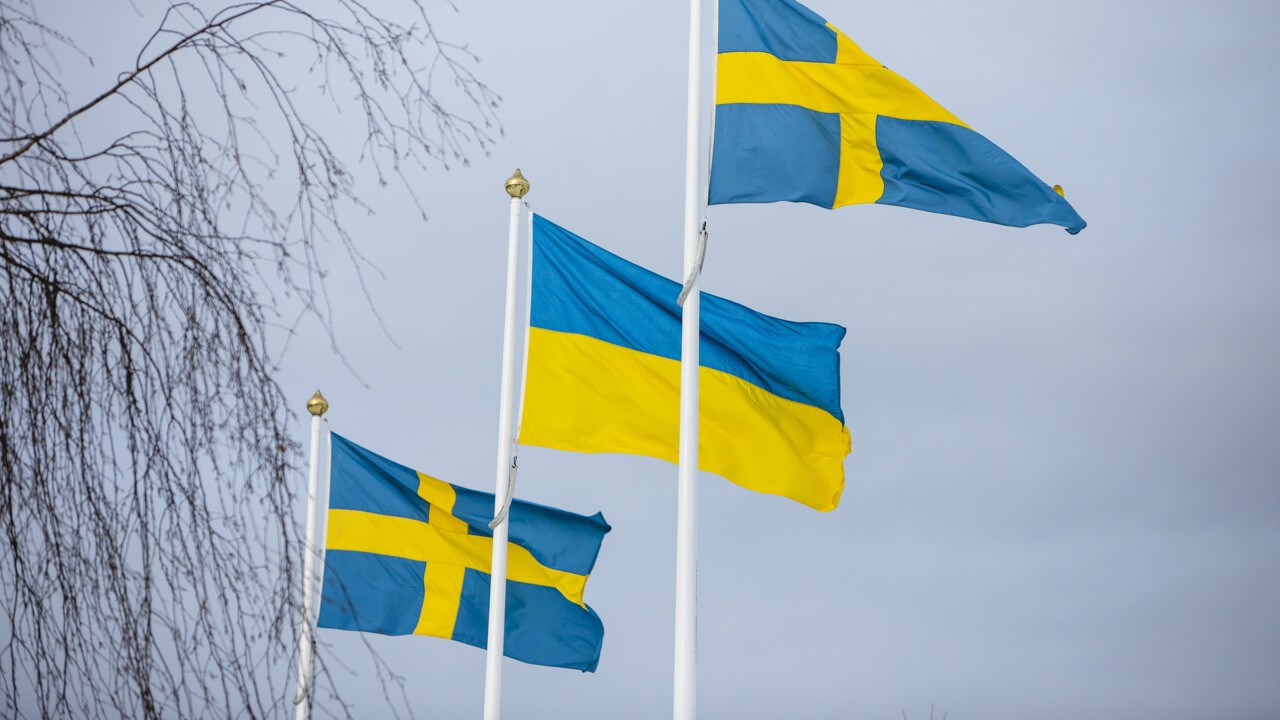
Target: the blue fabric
(370, 593)
(579, 634)
(794, 360)
(773, 153)
(472, 625)
(363, 480)
(375, 593)
(571, 544)
(785, 29)
(949, 169)
(475, 508)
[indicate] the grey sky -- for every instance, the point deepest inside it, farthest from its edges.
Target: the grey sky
(1063, 499)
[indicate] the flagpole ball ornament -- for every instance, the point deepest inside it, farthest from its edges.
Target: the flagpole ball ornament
(517, 186)
(317, 405)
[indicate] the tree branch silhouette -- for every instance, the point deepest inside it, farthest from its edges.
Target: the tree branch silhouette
(154, 239)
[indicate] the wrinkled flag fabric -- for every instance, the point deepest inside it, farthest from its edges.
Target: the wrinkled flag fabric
(408, 554)
(804, 115)
(603, 375)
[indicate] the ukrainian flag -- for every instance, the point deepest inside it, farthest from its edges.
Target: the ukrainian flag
(804, 115)
(409, 554)
(603, 375)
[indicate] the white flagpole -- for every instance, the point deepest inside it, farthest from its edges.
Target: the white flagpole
(517, 187)
(317, 406)
(685, 700)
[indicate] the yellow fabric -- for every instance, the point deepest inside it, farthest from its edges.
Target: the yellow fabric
(754, 77)
(588, 395)
(441, 583)
(442, 593)
(441, 496)
(431, 543)
(855, 86)
(860, 164)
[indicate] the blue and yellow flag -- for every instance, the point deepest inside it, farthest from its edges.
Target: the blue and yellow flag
(804, 115)
(409, 554)
(603, 375)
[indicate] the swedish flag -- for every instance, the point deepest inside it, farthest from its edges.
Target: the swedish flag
(409, 554)
(804, 115)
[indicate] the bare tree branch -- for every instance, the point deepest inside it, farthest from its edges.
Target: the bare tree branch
(151, 239)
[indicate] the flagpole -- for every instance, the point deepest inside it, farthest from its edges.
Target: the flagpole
(517, 187)
(685, 696)
(317, 406)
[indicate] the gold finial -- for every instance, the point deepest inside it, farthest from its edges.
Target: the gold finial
(517, 186)
(1058, 189)
(317, 405)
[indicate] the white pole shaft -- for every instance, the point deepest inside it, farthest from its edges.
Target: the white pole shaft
(306, 638)
(685, 699)
(498, 576)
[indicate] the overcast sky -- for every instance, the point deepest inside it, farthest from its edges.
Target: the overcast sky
(1063, 499)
